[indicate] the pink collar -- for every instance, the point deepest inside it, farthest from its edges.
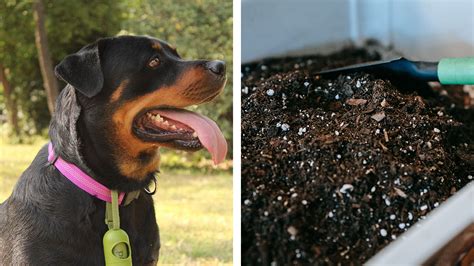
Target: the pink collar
(81, 179)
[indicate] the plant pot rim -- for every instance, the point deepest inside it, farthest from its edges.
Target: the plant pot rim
(425, 238)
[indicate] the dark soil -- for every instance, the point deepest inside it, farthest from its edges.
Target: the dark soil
(334, 170)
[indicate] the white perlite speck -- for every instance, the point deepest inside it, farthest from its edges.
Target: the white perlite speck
(410, 216)
(470, 177)
(383, 232)
(424, 207)
(306, 84)
(270, 92)
(330, 215)
(392, 217)
(304, 202)
(301, 130)
(247, 202)
(346, 188)
(292, 230)
(285, 127)
(436, 130)
(429, 145)
(358, 84)
(401, 226)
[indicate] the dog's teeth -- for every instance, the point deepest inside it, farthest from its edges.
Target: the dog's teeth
(173, 127)
(166, 123)
(195, 134)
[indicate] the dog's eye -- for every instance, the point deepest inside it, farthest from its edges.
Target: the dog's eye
(153, 63)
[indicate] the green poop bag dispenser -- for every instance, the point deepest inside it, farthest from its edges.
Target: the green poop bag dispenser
(117, 249)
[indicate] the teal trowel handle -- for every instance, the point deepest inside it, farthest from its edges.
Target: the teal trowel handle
(456, 71)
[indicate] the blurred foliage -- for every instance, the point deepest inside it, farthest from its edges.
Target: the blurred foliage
(69, 25)
(183, 162)
(198, 28)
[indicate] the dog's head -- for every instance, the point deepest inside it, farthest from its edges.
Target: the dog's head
(131, 90)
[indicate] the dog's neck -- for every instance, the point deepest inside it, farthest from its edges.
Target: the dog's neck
(72, 142)
(63, 132)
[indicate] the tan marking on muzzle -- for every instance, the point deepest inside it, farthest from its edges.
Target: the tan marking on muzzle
(189, 90)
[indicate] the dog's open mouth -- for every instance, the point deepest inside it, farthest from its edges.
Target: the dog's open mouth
(181, 129)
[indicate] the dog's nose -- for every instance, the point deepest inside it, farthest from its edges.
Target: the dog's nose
(217, 67)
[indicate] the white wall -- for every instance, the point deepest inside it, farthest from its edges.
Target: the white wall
(273, 27)
(420, 29)
(435, 28)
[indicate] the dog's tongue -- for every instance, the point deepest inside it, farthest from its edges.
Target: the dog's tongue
(207, 130)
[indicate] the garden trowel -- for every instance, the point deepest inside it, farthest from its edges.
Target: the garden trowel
(446, 71)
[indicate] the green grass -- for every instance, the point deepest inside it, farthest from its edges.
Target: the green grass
(195, 218)
(14, 159)
(194, 212)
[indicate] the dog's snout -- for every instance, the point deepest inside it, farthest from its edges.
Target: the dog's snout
(217, 67)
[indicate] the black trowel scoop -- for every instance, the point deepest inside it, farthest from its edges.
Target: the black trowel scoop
(446, 71)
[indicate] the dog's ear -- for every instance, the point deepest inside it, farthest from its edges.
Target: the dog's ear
(83, 70)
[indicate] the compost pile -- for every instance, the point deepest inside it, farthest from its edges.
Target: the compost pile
(334, 170)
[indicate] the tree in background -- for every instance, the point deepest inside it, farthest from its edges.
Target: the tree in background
(49, 80)
(69, 25)
(9, 102)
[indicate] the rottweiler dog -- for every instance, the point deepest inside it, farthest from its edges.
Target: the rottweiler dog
(122, 102)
